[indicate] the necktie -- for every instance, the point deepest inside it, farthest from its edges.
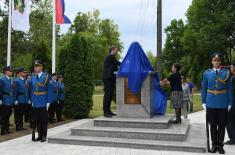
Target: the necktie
(37, 77)
(216, 72)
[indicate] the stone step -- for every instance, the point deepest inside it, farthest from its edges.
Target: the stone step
(195, 142)
(176, 132)
(157, 122)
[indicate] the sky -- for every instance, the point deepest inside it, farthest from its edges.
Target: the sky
(136, 19)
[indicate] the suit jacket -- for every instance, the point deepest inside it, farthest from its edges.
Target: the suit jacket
(110, 66)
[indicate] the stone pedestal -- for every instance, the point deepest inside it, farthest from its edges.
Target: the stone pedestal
(134, 110)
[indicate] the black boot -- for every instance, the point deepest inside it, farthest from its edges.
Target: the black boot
(178, 116)
(221, 133)
(221, 149)
(214, 138)
(214, 149)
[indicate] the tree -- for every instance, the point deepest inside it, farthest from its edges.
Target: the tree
(173, 51)
(210, 29)
(105, 32)
(152, 59)
(41, 53)
(78, 72)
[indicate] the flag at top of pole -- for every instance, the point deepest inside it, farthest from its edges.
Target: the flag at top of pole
(20, 15)
(60, 16)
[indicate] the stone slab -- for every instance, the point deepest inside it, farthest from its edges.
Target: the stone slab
(193, 143)
(157, 122)
(173, 133)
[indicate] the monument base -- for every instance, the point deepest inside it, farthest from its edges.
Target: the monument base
(155, 133)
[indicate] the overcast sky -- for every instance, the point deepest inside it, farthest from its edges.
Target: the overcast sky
(136, 18)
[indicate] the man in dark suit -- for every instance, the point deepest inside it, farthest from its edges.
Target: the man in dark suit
(231, 114)
(110, 66)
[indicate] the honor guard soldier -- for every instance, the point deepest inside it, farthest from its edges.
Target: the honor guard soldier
(22, 97)
(216, 95)
(7, 99)
(60, 103)
(55, 89)
(41, 97)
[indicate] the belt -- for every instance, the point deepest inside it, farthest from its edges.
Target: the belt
(7, 94)
(216, 91)
(22, 94)
(40, 93)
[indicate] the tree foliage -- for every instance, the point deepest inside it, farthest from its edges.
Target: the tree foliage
(81, 57)
(210, 28)
(104, 31)
(79, 75)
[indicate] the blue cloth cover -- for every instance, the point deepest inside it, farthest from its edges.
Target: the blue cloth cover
(136, 67)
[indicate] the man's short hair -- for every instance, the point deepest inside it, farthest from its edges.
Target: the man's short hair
(177, 66)
(112, 48)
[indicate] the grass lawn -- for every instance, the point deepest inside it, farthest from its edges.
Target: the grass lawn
(98, 104)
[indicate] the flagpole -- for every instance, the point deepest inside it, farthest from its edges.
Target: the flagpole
(54, 39)
(9, 34)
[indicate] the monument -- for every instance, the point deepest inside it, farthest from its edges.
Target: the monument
(136, 125)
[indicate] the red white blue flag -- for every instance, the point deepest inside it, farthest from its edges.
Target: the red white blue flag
(60, 16)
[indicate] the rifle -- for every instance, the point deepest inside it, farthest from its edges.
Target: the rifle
(208, 136)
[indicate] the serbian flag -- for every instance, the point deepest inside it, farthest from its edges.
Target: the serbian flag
(60, 16)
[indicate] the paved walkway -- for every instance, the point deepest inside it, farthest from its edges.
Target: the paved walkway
(24, 146)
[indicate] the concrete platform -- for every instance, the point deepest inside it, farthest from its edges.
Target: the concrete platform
(173, 133)
(124, 133)
(24, 145)
(157, 122)
(193, 143)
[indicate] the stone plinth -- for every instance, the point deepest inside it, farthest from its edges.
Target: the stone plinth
(142, 110)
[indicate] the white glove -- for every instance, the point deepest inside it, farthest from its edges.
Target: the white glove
(58, 101)
(48, 104)
(229, 107)
(204, 106)
(16, 102)
(0, 102)
(29, 102)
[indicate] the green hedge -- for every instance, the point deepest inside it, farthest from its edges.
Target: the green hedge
(78, 73)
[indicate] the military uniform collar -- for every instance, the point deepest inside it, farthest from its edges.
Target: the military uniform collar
(39, 75)
(21, 78)
(214, 69)
(7, 77)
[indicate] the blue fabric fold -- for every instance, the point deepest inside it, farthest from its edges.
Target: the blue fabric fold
(136, 67)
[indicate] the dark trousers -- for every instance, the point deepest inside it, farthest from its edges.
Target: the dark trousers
(51, 111)
(109, 85)
(5, 115)
(20, 112)
(231, 124)
(28, 114)
(217, 118)
(59, 107)
(40, 118)
(17, 113)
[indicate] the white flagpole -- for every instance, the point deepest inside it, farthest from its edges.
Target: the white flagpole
(54, 39)
(9, 34)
